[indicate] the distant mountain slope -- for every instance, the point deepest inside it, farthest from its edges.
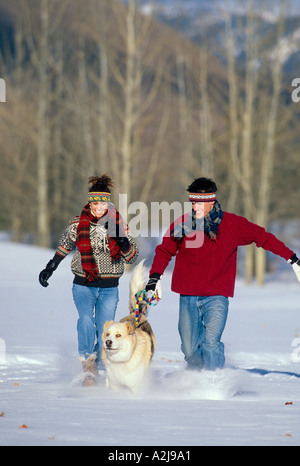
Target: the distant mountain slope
(202, 20)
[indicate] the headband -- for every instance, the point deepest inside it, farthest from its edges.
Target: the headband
(98, 196)
(202, 197)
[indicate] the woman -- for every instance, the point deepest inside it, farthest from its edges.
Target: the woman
(102, 244)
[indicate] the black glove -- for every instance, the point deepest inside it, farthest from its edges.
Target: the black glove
(152, 282)
(296, 265)
(48, 271)
(294, 260)
(122, 241)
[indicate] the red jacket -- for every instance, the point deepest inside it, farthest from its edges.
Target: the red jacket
(210, 269)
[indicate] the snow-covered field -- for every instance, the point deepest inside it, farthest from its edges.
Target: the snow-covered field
(255, 400)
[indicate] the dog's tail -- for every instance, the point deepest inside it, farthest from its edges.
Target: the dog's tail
(137, 283)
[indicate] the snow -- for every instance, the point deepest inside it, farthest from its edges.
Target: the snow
(254, 400)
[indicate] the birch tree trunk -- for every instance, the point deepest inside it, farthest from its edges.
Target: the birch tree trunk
(247, 138)
(43, 230)
(131, 107)
(184, 114)
(130, 89)
(102, 161)
(207, 152)
(234, 169)
(84, 110)
(267, 165)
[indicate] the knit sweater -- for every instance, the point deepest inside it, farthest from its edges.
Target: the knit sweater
(210, 268)
(109, 271)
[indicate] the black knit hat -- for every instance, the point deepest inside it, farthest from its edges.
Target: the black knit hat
(202, 190)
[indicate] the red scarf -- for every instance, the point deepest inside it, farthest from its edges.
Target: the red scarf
(83, 242)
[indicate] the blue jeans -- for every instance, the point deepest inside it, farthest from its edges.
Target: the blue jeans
(202, 321)
(95, 306)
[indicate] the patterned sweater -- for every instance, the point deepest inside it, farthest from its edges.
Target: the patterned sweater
(109, 271)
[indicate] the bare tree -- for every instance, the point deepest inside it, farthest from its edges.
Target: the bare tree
(136, 93)
(40, 52)
(17, 173)
(43, 229)
(206, 142)
(268, 153)
(248, 134)
(103, 108)
(84, 108)
(233, 114)
(185, 115)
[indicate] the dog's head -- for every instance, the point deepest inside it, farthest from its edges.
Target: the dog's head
(118, 340)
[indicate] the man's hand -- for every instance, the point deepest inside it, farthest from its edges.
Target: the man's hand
(296, 265)
(152, 283)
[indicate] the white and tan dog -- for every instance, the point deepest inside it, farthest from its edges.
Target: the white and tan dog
(127, 348)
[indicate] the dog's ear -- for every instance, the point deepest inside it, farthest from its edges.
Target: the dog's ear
(130, 327)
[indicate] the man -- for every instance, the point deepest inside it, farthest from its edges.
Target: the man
(205, 243)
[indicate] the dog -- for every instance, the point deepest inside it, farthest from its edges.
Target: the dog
(127, 348)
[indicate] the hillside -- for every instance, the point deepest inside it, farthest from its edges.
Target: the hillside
(95, 87)
(204, 20)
